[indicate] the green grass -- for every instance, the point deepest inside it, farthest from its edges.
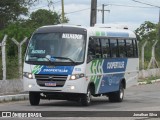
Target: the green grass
(149, 79)
(11, 68)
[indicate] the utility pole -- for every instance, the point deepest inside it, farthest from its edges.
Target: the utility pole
(103, 13)
(159, 26)
(93, 16)
(62, 1)
(103, 5)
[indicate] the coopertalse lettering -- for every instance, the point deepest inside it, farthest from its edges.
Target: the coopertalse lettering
(56, 70)
(115, 65)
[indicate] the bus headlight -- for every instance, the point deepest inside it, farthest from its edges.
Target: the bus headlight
(76, 76)
(28, 75)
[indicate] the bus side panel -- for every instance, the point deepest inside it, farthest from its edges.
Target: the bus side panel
(106, 74)
(131, 74)
(110, 83)
(94, 72)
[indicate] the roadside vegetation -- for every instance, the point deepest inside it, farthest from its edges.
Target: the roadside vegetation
(149, 80)
(148, 31)
(18, 22)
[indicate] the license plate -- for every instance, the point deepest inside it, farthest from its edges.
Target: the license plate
(50, 84)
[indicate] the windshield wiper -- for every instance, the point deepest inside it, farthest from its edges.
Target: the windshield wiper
(65, 58)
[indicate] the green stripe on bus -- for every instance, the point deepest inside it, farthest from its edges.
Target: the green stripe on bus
(36, 69)
(98, 33)
(96, 66)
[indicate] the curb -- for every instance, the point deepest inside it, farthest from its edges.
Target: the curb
(144, 83)
(7, 98)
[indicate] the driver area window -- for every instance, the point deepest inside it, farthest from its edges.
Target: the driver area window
(94, 49)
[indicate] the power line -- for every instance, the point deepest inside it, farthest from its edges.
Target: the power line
(39, 7)
(159, 14)
(45, 5)
(110, 5)
(128, 6)
(146, 3)
(98, 6)
(56, 2)
(78, 10)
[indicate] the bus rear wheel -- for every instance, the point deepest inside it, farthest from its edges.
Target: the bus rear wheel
(118, 95)
(34, 98)
(86, 98)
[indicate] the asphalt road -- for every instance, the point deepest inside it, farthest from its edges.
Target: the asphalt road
(137, 98)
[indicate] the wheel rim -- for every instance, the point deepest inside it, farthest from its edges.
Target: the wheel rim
(121, 93)
(88, 96)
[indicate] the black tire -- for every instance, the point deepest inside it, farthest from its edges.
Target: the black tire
(86, 98)
(34, 98)
(117, 96)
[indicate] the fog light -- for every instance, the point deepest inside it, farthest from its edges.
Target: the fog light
(29, 86)
(72, 87)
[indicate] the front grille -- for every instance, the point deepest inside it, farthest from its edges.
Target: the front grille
(58, 80)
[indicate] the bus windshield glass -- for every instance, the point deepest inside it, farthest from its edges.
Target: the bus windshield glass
(56, 47)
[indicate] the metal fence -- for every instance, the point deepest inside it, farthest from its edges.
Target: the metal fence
(3, 52)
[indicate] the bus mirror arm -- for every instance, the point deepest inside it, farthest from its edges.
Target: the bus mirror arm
(27, 41)
(89, 58)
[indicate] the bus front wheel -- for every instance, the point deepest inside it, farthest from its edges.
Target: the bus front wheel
(118, 95)
(34, 98)
(86, 98)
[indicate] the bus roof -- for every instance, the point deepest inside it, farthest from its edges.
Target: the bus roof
(110, 32)
(91, 31)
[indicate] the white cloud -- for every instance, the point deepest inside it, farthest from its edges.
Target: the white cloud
(79, 18)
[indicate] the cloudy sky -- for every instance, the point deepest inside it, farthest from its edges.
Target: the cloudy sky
(78, 11)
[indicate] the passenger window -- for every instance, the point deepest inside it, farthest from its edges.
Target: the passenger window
(135, 48)
(105, 48)
(129, 48)
(113, 47)
(122, 48)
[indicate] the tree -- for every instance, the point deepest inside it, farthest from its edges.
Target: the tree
(148, 31)
(15, 27)
(44, 17)
(10, 10)
(24, 28)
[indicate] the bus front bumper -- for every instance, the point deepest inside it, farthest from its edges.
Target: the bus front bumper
(70, 86)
